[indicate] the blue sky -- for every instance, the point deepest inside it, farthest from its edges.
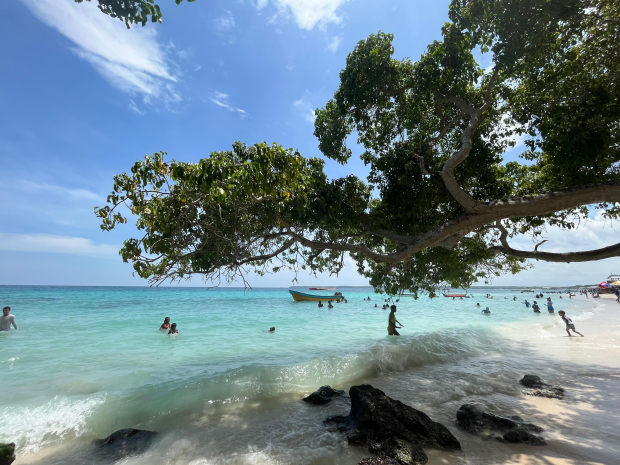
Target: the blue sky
(83, 98)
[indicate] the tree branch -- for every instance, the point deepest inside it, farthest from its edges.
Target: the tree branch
(566, 257)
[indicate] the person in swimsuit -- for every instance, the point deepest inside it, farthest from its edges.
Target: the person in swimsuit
(550, 305)
(6, 320)
(166, 324)
(392, 322)
(569, 323)
(329, 304)
(527, 304)
(486, 311)
(478, 304)
(321, 304)
(536, 307)
(271, 330)
(173, 329)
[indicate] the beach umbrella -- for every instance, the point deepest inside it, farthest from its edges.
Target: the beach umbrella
(616, 283)
(604, 284)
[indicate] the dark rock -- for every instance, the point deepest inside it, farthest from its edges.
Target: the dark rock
(514, 429)
(531, 381)
(520, 436)
(376, 418)
(537, 388)
(404, 452)
(323, 395)
(124, 442)
(378, 461)
(7, 453)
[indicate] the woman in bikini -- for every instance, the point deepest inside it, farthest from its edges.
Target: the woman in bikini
(166, 325)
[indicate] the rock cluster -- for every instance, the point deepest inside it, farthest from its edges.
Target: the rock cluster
(512, 429)
(390, 428)
(323, 395)
(536, 387)
(7, 453)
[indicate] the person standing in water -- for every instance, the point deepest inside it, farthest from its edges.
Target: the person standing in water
(173, 329)
(165, 325)
(392, 322)
(527, 304)
(550, 305)
(6, 320)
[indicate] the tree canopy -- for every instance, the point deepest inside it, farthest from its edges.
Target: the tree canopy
(440, 204)
(132, 11)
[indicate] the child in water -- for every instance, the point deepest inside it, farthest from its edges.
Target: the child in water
(173, 329)
(166, 324)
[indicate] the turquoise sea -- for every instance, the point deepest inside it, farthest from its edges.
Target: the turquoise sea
(87, 361)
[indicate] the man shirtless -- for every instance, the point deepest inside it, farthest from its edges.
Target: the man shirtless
(6, 320)
(392, 321)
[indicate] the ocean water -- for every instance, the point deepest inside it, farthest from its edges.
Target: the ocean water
(87, 361)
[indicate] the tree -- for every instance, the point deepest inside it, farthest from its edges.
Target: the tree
(440, 204)
(132, 11)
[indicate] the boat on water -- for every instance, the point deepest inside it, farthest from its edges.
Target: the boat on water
(322, 288)
(299, 296)
(456, 295)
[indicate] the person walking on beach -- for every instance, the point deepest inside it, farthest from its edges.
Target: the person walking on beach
(569, 323)
(392, 322)
(6, 320)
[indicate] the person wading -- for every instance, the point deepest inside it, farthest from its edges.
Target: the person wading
(6, 320)
(392, 322)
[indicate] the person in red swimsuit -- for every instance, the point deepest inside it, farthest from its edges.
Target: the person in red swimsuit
(166, 325)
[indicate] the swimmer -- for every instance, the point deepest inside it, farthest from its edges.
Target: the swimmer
(271, 330)
(6, 320)
(329, 304)
(535, 307)
(486, 311)
(478, 305)
(321, 304)
(166, 324)
(377, 306)
(173, 329)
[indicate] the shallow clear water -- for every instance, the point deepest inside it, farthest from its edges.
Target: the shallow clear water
(88, 361)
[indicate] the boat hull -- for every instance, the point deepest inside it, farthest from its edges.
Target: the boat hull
(299, 296)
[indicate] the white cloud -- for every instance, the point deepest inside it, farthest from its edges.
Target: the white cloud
(306, 13)
(131, 60)
(133, 107)
(306, 109)
(222, 101)
(55, 244)
(334, 43)
(36, 188)
(225, 23)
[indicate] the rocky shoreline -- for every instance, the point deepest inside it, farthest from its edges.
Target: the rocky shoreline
(395, 433)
